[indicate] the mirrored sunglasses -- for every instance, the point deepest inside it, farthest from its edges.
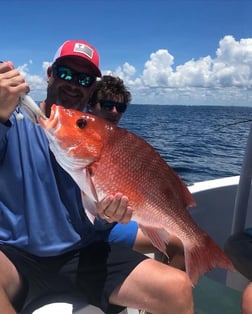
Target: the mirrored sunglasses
(108, 105)
(67, 74)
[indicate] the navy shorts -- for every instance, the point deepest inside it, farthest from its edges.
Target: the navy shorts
(95, 271)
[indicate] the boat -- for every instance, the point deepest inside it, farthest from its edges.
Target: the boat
(222, 211)
(217, 292)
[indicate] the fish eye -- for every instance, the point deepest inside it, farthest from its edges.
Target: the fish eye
(81, 123)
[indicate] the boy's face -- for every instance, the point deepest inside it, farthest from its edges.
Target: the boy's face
(110, 109)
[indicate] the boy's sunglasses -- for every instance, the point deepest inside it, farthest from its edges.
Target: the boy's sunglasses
(108, 105)
(67, 74)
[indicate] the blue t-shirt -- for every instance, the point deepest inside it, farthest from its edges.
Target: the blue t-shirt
(40, 205)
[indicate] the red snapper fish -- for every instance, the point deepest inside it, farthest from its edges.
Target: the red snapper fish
(104, 159)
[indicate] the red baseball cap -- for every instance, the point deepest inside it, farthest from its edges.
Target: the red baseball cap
(80, 48)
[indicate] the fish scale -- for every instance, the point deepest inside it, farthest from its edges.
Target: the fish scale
(104, 159)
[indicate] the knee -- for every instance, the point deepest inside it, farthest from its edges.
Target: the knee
(10, 280)
(246, 304)
(180, 297)
(176, 285)
(183, 285)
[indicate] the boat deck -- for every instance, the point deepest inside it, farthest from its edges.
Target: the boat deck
(211, 297)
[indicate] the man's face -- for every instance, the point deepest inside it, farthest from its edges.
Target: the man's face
(107, 111)
(69, 93)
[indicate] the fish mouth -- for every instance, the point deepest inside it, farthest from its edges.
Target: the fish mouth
(51, 126)
(52, 122)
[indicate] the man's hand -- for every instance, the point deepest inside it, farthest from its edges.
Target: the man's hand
(115, 209)
(12, 86)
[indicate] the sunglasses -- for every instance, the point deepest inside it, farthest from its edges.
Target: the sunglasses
(108, 105)
(68, 74)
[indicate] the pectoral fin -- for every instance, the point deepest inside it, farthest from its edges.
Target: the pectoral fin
(159, 237)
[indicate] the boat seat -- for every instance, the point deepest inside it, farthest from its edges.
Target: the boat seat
(65, 303)
(239, 249)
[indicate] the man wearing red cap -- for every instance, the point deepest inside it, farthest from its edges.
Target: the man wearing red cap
(47, 244)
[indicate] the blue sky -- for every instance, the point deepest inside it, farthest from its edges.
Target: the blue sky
(168, 52)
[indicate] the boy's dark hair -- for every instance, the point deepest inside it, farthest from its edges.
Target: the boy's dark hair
(107, 87)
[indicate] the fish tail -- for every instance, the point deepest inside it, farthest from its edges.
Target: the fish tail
(203, 257)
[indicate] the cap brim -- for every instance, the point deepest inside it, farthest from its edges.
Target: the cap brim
(95, 70)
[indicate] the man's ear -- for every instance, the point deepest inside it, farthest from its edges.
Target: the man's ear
(49, 73)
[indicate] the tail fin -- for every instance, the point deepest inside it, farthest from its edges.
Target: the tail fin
(204, 257)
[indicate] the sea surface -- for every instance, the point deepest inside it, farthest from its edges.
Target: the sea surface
(198, 142)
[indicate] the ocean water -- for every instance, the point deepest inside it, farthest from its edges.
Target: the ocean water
(198, 142)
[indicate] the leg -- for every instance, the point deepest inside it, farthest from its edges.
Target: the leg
(175, 249)
(247, 300)
(112, 275)
(157, 288)
(10, 285)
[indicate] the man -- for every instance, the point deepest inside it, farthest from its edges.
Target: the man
(47, 243)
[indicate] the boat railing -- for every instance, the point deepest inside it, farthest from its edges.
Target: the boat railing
(243, 190)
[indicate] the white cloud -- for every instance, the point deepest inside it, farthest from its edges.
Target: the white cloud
(37, 83)
(158, 69)
(224, 79)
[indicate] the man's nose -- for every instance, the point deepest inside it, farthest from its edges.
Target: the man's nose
(114, 109)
